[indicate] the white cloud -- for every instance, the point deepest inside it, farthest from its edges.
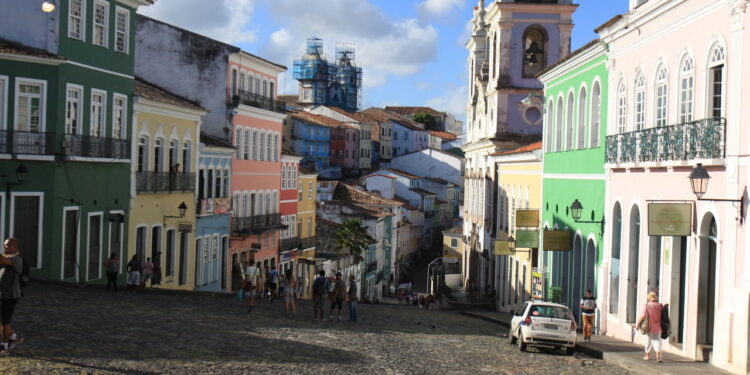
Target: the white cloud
(438, 8)
(384, 47)
(224, 20)
(452, 101)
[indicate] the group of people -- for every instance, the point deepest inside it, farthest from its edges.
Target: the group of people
(415, 299)
(268, 286)
(337, 292)
(139, 273)
(653, 324)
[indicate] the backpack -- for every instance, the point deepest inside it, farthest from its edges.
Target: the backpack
(319, 287)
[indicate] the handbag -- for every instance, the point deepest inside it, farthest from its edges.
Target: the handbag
(643, 327)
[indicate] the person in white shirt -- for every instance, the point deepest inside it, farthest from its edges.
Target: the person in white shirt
(588, 310)
(251, 273)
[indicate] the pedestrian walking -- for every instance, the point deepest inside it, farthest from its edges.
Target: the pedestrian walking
(339, 293)
(288, 289)
(273, 283)
(320, 288)
(148, 272)
(112, 266)
(134, 273)
(588, 311)
(11, 269)
(252, 273)
(331, 287)
(248, 294)
(650, 326)
(352, 298)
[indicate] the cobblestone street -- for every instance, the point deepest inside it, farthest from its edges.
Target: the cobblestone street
(72, 330)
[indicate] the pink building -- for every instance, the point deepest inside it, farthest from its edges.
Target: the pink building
(676, 100)
(256, 168)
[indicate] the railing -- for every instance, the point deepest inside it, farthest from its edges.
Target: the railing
(701, 139)
(307, 243)
(289, 243)
(95, 147)
(255, 224)
(371, 266)
(259, 101)
(26, 143)
(158, 182)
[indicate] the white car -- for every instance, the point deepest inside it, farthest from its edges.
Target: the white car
(543, 324)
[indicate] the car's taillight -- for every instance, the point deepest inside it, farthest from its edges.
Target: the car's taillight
(572, 325)
(527, 321)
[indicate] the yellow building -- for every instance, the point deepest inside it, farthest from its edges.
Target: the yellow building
(519, 195)
(308, 183)
(162, 213)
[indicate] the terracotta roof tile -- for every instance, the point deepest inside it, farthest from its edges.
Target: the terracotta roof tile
(381, 115)
(422, 191)
(405, 111)
(401, 173)
(319, 120)
(352, 194)
(444, 135)
(405, 203)
(531, 147)
(150, 91)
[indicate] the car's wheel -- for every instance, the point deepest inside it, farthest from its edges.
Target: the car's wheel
(521, 344)
(511, 338)
(570, 351)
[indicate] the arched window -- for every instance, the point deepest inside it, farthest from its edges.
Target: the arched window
(267, 206)
(550, 125)
(660, 90)
(687, 82)
(238, 142)
(716, 81)
(268, 147)
(596, 113)
(159, 155)
(622, 103)
(187, 157)
(640, 102)
(559, 125)
(255, 145)
(242, 81)
(234, 81)
(271, 91)
(570, 125)
(614, 281)
(276, 147)
(294, 177)
(534, 51)
(142, 157)
(262, 146)
(582, 98)
(246, 145)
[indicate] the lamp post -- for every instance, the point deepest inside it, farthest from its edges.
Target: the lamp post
(576, 209)
(21, 174)
(182, 208)
(699, 179)
(48, 6)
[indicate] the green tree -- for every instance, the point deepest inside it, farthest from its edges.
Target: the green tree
(427, 119)
(352, 237)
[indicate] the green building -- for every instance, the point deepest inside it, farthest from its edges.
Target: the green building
(575, 94)
(66, 83)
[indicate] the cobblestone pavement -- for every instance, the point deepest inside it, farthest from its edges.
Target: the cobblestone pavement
(75, 330)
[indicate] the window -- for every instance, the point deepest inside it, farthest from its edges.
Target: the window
(101, 23)
(309, 190)
(294, 177)
(276, 147)
(596, 112)
(640, 102)
(98, 112)
(122, 30)
(70, 242)
(716, 82)
(234, 82)
(119, 117)
(621, 107)
(238, 143)
(142, 157)
(246, 145)
(454, 242)
(570, 127)
(559, 125)
(687, 81)
(225, 190)
(115, 236)
(94, 247)
(73, 106)
(265, 88)
(217, 183)
(309, 228)
(582, 118)
(187, 157)
(283, 177)
(262, 146)
(661, 96)
(242, 81)
(172, 154)
(158, 155)
(29, 106)
(268, 147)
(535, 51)
(156, 245)
(76, 12)
(169, 266)
(183, 258)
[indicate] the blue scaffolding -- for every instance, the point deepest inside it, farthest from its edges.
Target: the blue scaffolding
(334, 83)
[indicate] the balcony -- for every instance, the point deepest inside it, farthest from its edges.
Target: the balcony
(307, 243)
(256, 224)
(95, 147)
(164, 182)
(26, 143)
(701, 139)
(258, 101)
(371, 266)
(290, 243)
(213, 206)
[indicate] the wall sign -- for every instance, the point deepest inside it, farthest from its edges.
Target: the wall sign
(670, 219)
(527, 239)
(527, 218)
(503, 248)
(556, 240)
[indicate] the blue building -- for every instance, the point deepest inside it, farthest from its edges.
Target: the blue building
(214, 272)
(311, 138)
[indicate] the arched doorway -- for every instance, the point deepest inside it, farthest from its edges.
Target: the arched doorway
(614, 267)
(633, 255)
(577, 274)
(707, 280)
(589, 268)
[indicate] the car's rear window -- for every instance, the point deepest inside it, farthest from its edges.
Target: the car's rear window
(553, 312)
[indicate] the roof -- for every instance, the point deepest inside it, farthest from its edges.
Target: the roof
(401, 173)
(379, 114)
(379, 175)
(405, 203)
(214, 142)
(352, 115)
(455, 230)
(320, 220)
(6, 46)
(318, 119)
(444, 135)
(307, 171)
(352, 194)
(570, 56)
(422, 191)
(439, 180)
(531, 147)
(150, 91)
(404, 111)
(610, 22)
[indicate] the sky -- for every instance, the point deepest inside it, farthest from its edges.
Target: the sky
(411, 51)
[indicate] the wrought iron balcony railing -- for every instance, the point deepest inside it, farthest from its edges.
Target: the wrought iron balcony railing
(256, 224)
(164, 182)
(701, 139)
(95, 147)
(26, 143)
(307, 243)
(290, 243)
(259, 101)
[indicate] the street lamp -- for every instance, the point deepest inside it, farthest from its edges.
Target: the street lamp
(699, 178)
(182, 208)
(511, 243)
(576, 209)
(21, 174)
(48, 6)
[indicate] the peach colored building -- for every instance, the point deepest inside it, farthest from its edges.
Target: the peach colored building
(257, 120)
(675, 100)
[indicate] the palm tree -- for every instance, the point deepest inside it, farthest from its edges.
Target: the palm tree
(352, 236)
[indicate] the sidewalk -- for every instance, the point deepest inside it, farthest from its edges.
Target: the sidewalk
(622, 353)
